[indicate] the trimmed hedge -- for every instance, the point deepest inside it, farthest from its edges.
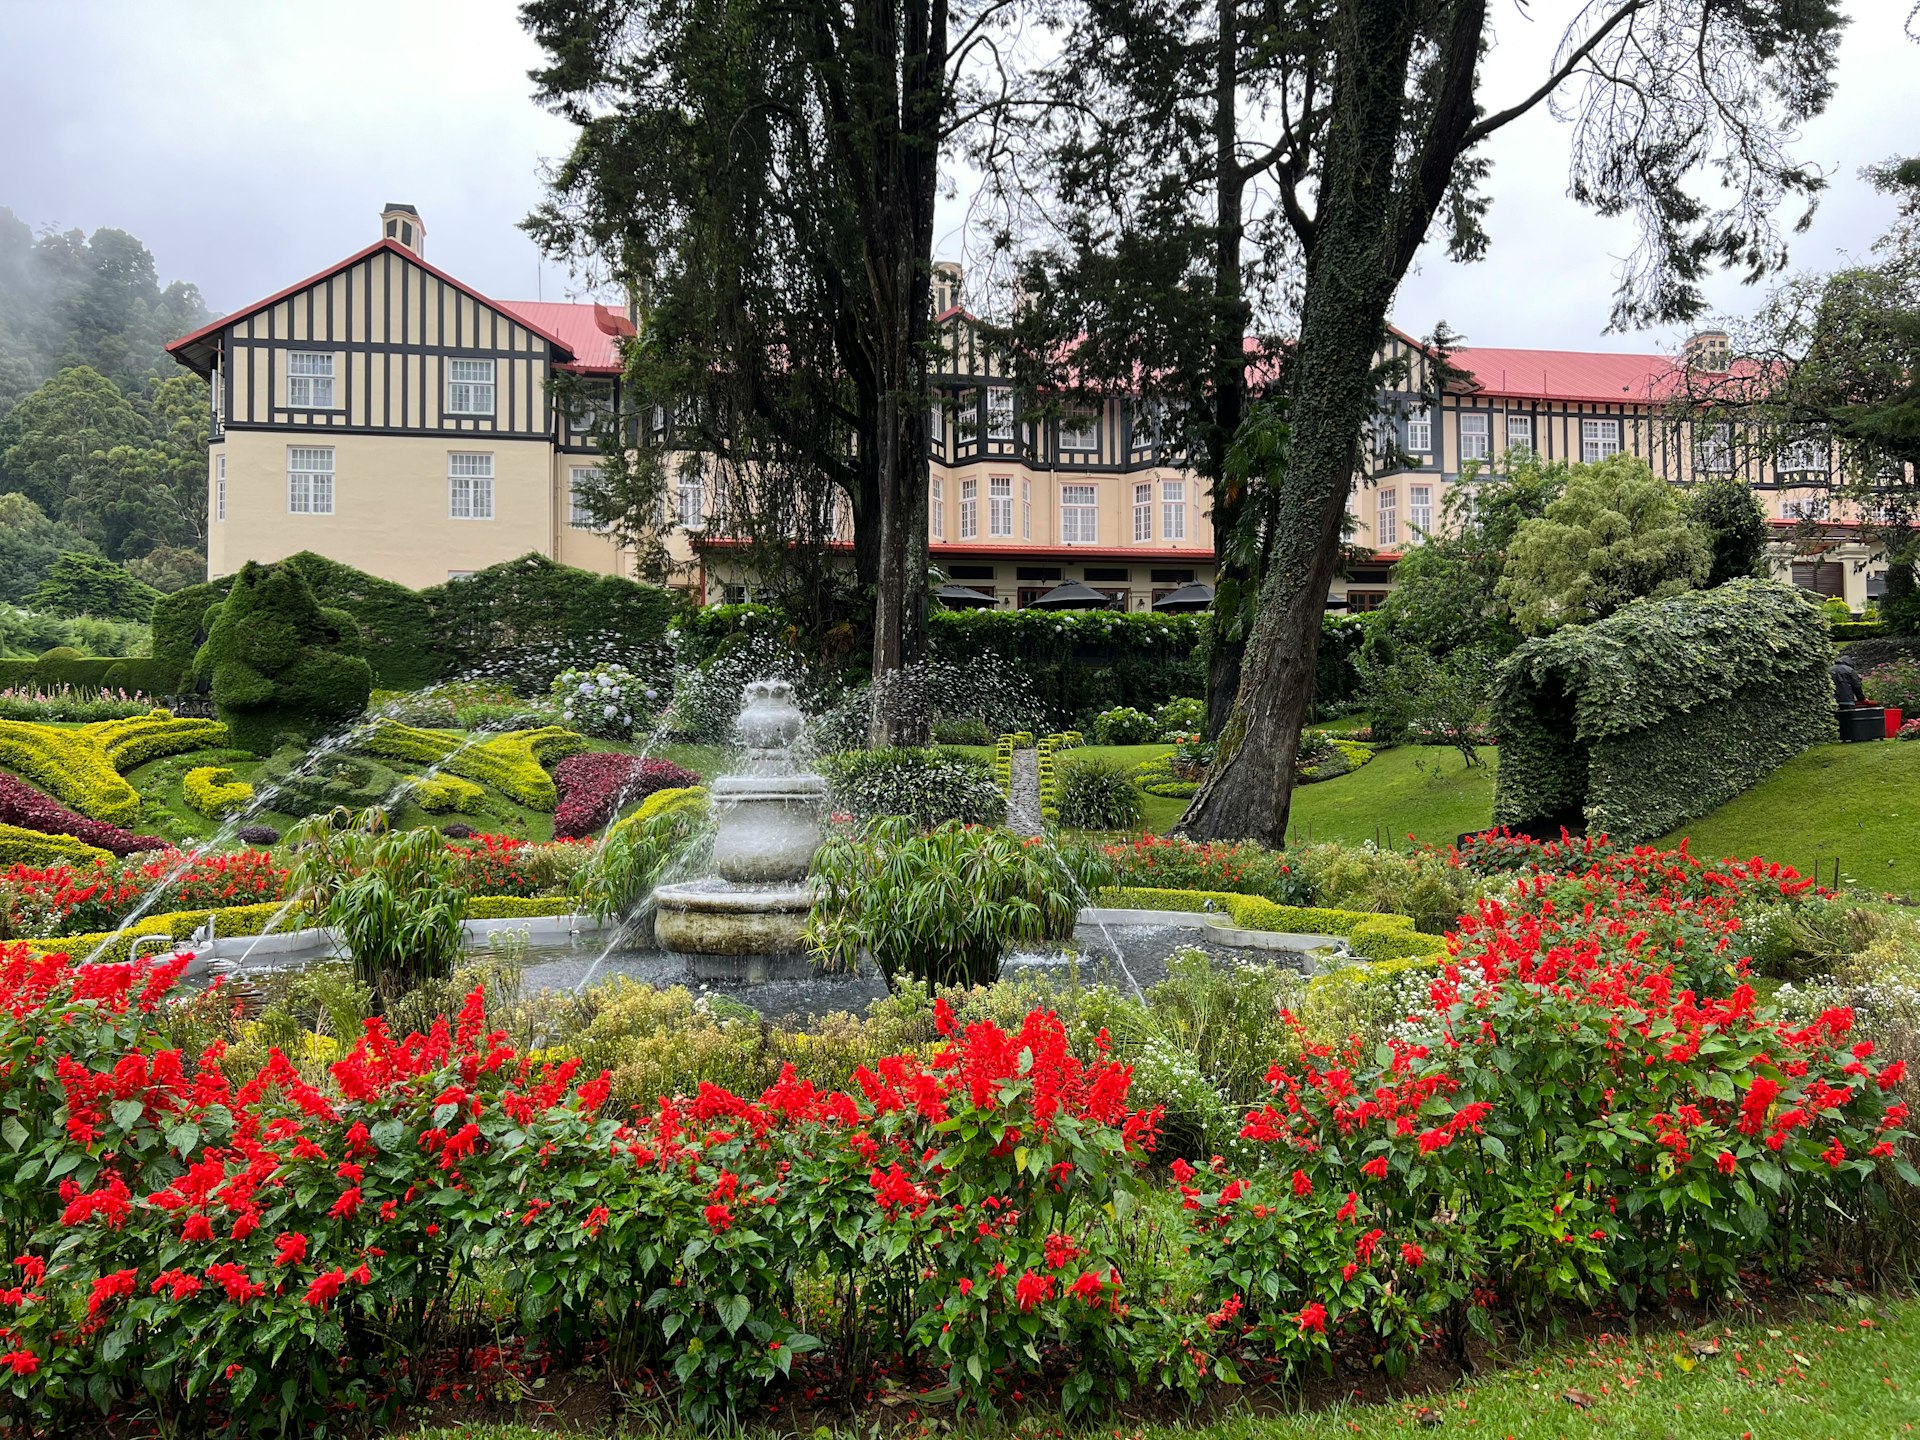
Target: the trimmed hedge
(513, 764)
(20, 846)
(180, 624)
(447, 795)
(213, 792)
(399, 636)
(279, 661)
(81, 766)
(1662, 711)
(1856, 629)
(519, 907)
(1377, 936)
(1081, 663)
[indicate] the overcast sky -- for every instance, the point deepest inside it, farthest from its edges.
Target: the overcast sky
(250, 143)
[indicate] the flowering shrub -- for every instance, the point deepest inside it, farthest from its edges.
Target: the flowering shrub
(26, 807)
(1163, 862)
(1124, 725)
(1896, 684)
(1909, 730)
(594, 786)
(609, 701)
(72, 899)
(507, 865)
(65, 703)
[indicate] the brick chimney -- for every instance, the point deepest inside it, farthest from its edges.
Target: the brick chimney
(403, 223)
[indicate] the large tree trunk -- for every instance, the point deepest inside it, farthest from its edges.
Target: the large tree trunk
(1353, 268)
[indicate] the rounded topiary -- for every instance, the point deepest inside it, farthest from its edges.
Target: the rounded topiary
(62, 652)
(258, 835)
(279, 661)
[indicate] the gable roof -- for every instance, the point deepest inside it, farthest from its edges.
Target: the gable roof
(593, 332)
(195, 349)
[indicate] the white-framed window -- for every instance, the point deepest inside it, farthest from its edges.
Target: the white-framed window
(999, 413)
(966, 418)
(1143, 511)
(1713, 448)
(1598, 440)
(937, 424)
(1806, 455)
(1079, 515)
(1000, 506)
(219, 487)
(1026, 509)
(310, 480)
(1812, 506)
(1420, 509)
(579, 486)
(937, 508)
(1476, 435)
(470, 387)
(470, 485)
(690, 501)
(969, 509)
(1386, 517)
(1080, 430)
(1173, 509)
(1419, 430)
(1519, 432)
(1149, 423)
(310, 379)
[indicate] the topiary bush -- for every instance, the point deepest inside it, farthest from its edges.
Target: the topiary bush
(278, 662)
(1123, 725)
(213, 791)
(1096, 794)
(295, 782)
(927, 786)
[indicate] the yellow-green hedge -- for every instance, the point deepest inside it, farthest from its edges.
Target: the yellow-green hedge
(81, 766)
(178, 925)
(19, 846)
(514, 763)
(212, 790)
(519, 907)
(1377, 936)
(661, 801)
(445, 794)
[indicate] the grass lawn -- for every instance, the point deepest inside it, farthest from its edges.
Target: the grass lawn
(1858, 804)
(1425, 790)
(1835, 1372)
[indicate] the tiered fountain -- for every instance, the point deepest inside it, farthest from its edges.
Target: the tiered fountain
(745, 922)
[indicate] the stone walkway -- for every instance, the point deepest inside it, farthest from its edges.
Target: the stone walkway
(1023, 794)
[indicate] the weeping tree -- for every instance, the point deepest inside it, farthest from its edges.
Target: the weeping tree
(762, 177)
(1214, 156)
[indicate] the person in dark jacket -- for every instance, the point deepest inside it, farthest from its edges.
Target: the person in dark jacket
(1847, 689)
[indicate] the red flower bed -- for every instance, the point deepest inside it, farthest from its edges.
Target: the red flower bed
(593, 786)
(22, 805)
(77, 900)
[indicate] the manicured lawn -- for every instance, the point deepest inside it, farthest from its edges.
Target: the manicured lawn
(1838, 1372)
(1858, 804)
(1424, 790)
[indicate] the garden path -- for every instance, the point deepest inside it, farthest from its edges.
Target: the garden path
(1023, 794)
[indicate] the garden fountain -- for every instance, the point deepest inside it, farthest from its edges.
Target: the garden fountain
(746, 921)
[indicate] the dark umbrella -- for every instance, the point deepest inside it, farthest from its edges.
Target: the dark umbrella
(960, 597)
(1072, 595)
(1197, 596)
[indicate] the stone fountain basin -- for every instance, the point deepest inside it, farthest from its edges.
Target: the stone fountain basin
(711, 917)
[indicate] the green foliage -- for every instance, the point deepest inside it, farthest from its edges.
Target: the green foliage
(640, 852)
(180, 624)
(1080, 663)
(940, 905)
(1735, 525)
(1896, 683)
(83, 766)
(1614, 536)
(1092, 793)
(1336, 684)
(1378, 936)
(1156, 776)
(928, 786)
(514, 763)
(1123, 725)
(83, 584)
(19, 846)
(398, 629)
(30, 542)
(1182, 716)
(1661, 712)
(447, 795)
(279, 662)
(295, 781)
(53, 442)
(392, 896)
(213, 791)
(1444, 698)
(1328, 757)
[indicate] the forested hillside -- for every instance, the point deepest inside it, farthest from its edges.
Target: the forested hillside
(103, 439)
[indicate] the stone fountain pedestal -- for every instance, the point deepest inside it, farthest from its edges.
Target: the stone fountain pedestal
(746, 921)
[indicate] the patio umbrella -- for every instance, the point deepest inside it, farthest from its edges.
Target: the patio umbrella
(1072, 595)
(1197, 596)
(960, 597)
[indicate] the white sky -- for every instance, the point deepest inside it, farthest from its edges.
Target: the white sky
(250, 143)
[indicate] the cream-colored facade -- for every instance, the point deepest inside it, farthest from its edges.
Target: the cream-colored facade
(385, 415)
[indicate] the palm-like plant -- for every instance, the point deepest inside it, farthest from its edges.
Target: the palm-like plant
(393, 897)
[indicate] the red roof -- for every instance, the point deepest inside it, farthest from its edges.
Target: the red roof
(1569, 374)
(179, 347)
(592, 332)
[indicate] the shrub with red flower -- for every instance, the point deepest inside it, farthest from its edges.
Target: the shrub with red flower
(593, 787)
(1168, 862)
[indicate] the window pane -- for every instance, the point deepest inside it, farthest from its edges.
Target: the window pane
(1475, 436)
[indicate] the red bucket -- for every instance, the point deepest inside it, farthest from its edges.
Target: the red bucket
(1893, 722)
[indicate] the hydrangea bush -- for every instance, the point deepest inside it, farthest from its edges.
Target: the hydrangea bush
(609, 701)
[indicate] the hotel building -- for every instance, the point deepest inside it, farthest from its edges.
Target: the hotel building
(386, 415)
